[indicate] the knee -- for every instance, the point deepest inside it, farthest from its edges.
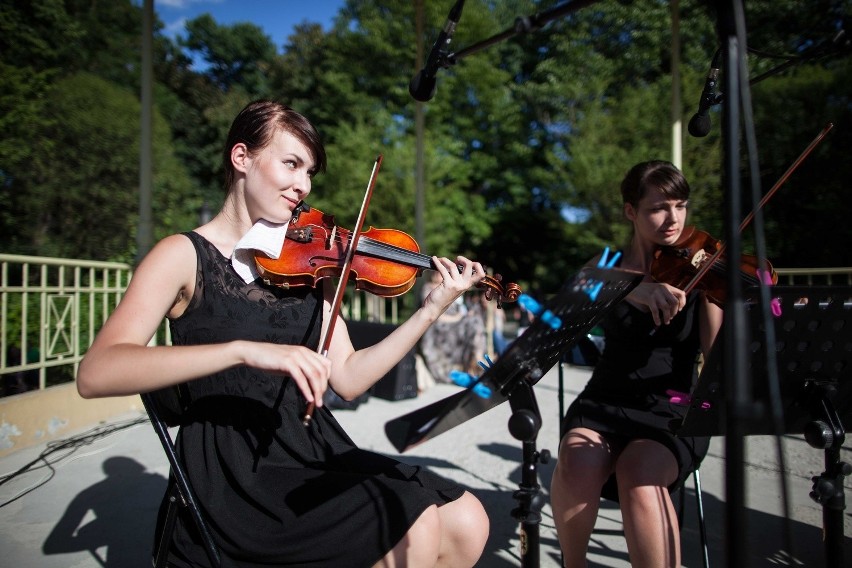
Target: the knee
(465, 527)
(581, 469)
(421, 545)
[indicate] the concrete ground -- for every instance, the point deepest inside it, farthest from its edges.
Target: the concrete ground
(90, 500)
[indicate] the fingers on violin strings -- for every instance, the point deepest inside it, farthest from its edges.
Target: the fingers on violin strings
(441, 265)
(475, 268)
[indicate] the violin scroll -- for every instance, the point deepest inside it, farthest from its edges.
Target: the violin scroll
(495, 290)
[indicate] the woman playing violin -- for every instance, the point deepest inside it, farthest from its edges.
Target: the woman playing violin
(278, 493)
(617, 441)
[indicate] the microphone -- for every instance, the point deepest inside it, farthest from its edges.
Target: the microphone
(699, 125)
(422, 86)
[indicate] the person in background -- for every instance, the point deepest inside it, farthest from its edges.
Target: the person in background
(617, 441)
(456, 342)
(278, 493)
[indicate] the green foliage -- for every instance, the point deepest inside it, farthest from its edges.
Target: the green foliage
(525, 144)
(87, 160)
(237, 55)
(91, 165)
(794, 110)
(37, 34)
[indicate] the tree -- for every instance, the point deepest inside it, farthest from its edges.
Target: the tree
(87, 164)
(236, 55)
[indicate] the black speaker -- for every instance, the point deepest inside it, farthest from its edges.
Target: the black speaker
(401, 381)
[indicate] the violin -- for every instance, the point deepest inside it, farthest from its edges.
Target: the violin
(386, 262)
(698, 261)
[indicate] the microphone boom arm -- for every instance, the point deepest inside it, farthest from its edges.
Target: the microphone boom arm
(817, 52)
(522, 25)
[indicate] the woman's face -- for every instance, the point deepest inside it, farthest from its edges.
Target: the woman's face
(278, 178)
(657, 219)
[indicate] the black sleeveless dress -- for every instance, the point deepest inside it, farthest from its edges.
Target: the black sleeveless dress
(625, 398)
(275, 492)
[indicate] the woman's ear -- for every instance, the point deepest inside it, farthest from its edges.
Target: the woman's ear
(629, 212)
(240, 157)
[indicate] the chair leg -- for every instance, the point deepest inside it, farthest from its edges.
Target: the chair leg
(701, 526)
(181, 489)
(164, 541)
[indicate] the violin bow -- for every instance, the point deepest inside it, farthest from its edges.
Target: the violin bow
(781, 181)
(344, 275)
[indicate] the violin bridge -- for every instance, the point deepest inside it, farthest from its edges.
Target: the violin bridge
(699, 258)
(331, 237)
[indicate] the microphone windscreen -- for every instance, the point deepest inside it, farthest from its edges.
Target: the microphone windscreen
(699, 125)
(422, 89)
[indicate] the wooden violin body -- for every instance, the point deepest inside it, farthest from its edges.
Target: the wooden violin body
(387, 262)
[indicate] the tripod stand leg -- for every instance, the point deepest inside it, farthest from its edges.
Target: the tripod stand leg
(530, 545)
(524, 425)
(829, 488)
(828, 432)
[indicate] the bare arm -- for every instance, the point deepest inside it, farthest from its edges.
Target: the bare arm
(353, 372)
(709, 324)
(661, 300)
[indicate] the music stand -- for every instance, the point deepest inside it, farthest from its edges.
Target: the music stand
(813, 350)
(581, 302)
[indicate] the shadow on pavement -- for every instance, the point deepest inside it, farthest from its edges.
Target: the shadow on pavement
(115, 515)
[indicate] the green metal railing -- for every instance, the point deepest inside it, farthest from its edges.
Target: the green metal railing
(51, 309)
(814, 276)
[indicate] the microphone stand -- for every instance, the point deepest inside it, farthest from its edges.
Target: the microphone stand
(522, 25)
(739, 402)
(816, 52)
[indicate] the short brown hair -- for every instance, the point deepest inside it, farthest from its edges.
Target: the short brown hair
(658, 174)
(255, 125)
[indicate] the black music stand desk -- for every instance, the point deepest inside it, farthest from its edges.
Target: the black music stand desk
(813, 358)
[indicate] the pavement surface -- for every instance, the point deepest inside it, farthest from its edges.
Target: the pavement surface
(90, 500)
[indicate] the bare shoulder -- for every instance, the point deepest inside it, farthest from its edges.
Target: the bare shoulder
(161, 286)
(167, 271)
(173, 252)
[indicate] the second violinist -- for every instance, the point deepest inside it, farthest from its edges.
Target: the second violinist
(617, 441)
(276, 493)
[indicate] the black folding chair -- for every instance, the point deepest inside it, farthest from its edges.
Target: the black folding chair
(699, 506)
(164, 409)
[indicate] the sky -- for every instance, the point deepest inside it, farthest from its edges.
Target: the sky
(277, 18)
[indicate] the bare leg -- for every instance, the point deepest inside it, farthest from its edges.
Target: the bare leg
(644, 471)
(420, 546)
(451, 536)
(464, 532)
(585, 462)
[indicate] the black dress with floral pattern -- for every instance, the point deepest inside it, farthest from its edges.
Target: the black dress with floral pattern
(275, 492)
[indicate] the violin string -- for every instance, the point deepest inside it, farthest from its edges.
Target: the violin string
(344, 237)
(720, 267)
